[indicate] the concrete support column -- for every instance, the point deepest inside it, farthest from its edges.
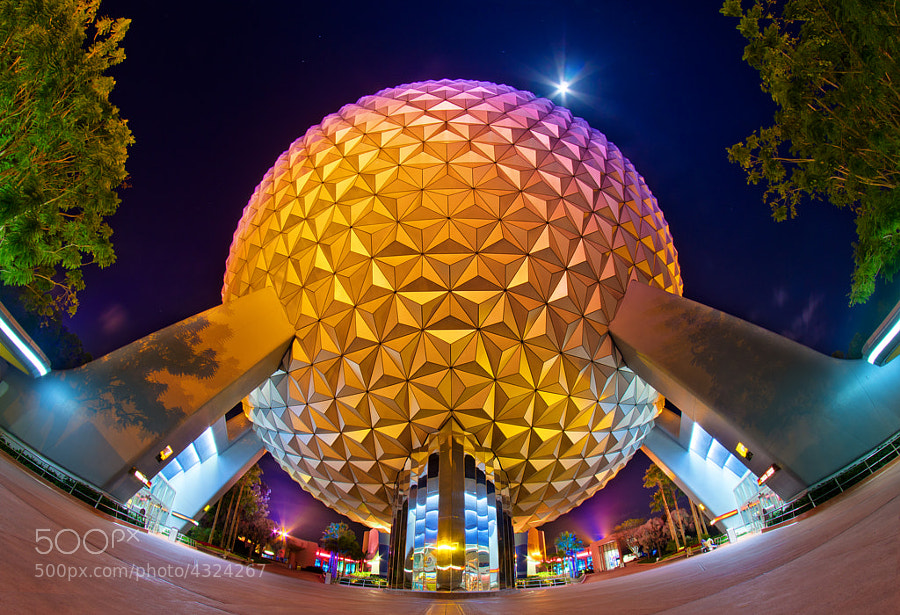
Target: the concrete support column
(458, 530)
(451, 520)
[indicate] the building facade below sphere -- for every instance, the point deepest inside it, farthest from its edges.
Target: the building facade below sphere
(452, 528)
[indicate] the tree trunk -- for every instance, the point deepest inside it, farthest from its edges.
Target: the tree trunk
(678, 515)
(697, 528)
(662, 493)
(212, 532)
(237, 519)
(227, 520)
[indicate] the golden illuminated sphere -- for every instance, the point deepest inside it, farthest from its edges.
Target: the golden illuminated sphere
(452, 248)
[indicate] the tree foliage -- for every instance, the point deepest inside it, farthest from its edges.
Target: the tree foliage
(62, 146)
(654, 534)
(567, 543)
(243, 510)
(672, 492)
(62, 347)
(254, 522)
(626, 535)
(655, 478)
(831, 67)
(339, 538)
(567, 546)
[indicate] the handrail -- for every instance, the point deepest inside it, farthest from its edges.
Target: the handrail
(835, 484)
(71, 484)
(533, 582)
(377, 582)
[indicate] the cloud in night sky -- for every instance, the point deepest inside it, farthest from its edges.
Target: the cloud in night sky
(113, 319)
(808, 326)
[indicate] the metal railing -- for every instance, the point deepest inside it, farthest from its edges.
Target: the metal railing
(179, 537)
(834, 485)
(77, 487)
(533, 582)
(377, 582)
(69, 483)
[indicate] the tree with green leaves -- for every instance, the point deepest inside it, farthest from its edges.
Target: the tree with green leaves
(62, 347)
(567, 547)
(341, 540)
(833, 70)
(655, 478)
(255, 525)
(653, 535)
(626, 534)
(242, 510)
(62, 146)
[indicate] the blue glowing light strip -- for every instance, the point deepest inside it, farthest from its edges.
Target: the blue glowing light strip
(880, 346)
(39, 365)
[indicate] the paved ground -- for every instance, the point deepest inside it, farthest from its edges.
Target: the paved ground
(844, 559)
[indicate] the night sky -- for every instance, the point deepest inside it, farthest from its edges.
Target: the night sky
(215, 91)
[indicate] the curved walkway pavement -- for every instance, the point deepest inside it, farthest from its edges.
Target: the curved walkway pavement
(843, 559)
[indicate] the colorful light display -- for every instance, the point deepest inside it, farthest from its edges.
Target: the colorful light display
(452, 248)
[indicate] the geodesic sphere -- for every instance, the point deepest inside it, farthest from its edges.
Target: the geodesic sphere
(451, 248)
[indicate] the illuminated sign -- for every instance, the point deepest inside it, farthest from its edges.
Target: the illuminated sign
(767, 474)
(140, 476)
(183, 517)
(164, 454)
(730, 513)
